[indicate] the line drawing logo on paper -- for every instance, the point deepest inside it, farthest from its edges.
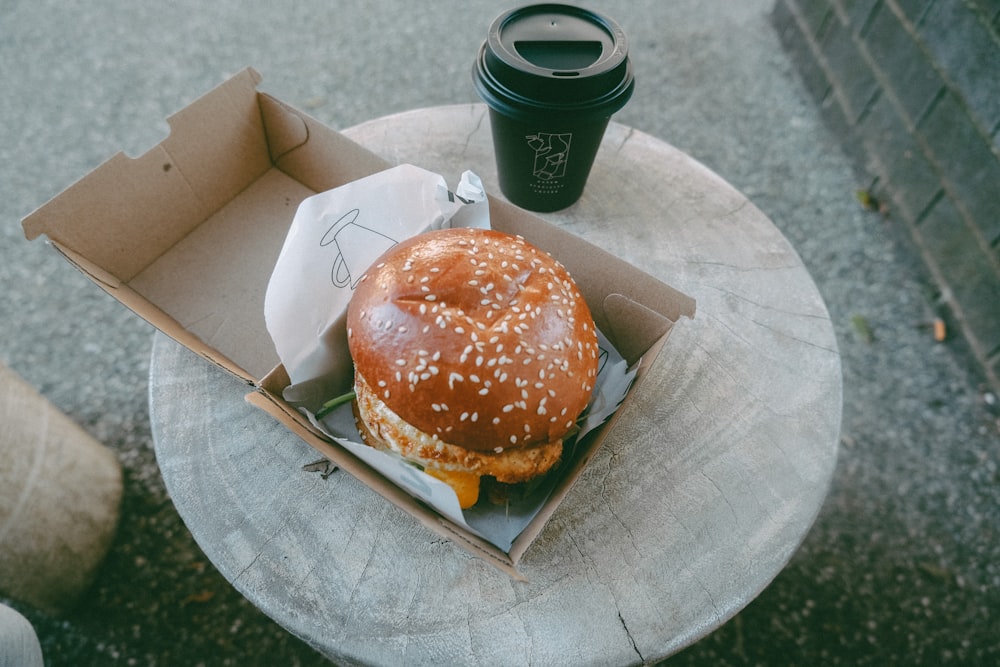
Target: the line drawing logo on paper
(551, 154)
(357, 247)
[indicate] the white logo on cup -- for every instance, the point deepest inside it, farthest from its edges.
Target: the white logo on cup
(551, 154)
(357, 248)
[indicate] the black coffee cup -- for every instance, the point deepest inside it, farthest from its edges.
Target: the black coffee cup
(552, 76)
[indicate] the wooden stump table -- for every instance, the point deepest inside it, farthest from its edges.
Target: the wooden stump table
(694, 503)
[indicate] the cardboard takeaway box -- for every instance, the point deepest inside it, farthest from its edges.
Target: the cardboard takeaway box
(187, 234)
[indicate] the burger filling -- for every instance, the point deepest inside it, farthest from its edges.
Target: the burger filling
(393, 433)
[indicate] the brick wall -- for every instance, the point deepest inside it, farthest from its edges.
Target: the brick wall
(913, 86)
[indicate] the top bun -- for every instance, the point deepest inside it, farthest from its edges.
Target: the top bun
(475, 337)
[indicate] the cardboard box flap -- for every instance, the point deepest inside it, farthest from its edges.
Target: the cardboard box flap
(129, 211)
(186, 234)
(305, 148)
(634, 327)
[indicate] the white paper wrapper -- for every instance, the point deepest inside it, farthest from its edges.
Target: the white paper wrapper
(335, 236)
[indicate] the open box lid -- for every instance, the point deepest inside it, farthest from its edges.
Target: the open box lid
(186, 235)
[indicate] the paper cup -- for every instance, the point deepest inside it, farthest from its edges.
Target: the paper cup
(552, 76)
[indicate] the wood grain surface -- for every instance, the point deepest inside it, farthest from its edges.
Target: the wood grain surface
(692, 506)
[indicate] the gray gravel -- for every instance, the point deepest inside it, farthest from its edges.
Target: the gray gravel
(902, 564)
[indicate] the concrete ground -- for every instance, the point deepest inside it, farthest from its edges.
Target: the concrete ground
(903, 563)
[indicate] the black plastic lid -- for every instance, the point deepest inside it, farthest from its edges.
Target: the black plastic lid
(549, 57)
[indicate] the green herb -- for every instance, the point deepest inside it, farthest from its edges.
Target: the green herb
(333, 404)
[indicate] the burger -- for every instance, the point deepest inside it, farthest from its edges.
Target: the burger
(474, 354)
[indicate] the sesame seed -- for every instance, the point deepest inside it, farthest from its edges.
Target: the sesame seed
(509, 407)
(498, 450)
(513, 439)
(400, 362)
(430, 297)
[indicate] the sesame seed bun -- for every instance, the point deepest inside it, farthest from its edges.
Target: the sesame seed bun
(474, 340)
